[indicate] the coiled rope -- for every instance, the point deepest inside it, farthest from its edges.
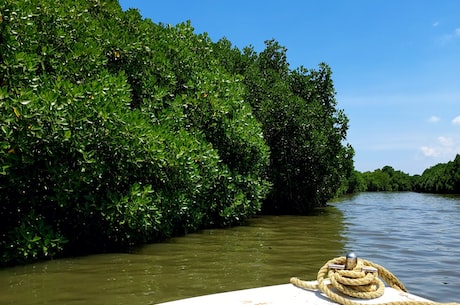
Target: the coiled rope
(362, 281)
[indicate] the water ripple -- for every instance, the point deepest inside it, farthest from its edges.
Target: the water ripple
(416, 236)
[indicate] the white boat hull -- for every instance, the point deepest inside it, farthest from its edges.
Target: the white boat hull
(285, 294)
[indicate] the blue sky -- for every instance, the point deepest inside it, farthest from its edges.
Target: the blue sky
(396, 64)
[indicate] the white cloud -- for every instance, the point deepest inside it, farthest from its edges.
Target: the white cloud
(445, 147)
(428, 151)
(435, 24)
(444, 141)
(457, 32)
(434, 119)
(456, 120)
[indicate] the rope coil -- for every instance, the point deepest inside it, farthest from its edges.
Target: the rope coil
(357, 283)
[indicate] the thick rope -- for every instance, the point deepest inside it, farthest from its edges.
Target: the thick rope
(356, 283)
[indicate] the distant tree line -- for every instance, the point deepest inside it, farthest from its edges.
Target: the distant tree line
(116, 131)
(443, 178)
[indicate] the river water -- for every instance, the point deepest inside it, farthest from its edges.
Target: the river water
(416, 236)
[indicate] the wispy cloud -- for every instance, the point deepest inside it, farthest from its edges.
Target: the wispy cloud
(444, 147)
(428, 151)
(445, 141)
(450, 37)
(436, 23)
(456, 121)
(434, 119)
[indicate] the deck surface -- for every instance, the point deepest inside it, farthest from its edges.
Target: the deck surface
(284, 294)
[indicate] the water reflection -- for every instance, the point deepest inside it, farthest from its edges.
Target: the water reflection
(416, 236)
(269, 250)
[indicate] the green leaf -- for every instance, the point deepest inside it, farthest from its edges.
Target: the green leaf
(67, 134)
(35, 239)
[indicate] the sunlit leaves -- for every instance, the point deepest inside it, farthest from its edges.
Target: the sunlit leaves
(297, 110)
(115, 130)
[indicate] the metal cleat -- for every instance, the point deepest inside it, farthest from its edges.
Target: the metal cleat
(369, 270)
(336, 267)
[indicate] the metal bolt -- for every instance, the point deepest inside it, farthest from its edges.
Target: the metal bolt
(351, 261)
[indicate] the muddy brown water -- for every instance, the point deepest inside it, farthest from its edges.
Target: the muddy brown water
(416, 236)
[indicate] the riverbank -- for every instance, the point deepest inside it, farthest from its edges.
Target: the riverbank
(400, 231)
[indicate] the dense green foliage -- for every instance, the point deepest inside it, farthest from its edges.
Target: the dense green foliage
(116, 131)
(386, 179)
(301, 124)
(443, 178)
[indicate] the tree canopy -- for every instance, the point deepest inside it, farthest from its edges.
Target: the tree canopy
(443, 178)
(116, 131)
